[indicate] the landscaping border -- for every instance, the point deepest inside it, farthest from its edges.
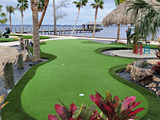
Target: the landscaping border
(14, 97)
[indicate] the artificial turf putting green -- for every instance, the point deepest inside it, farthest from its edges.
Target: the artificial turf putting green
(8, 39)
(29, 36)
(77, 69)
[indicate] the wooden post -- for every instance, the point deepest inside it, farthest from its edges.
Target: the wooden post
(19, 30)
(21, 43)
(83, 31)
(8, 75)
(20, 62)
(32, 30)
(63, 30)
(68, 30)
(59, 31)
(15, 30)
(48, 31)
(45, 31)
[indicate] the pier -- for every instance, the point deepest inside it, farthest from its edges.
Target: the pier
(60, 31)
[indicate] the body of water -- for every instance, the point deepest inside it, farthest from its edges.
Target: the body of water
(107, 32)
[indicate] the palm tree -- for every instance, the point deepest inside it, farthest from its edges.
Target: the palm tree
(118, 2)
(22, 6)
(10, 10)
(79, 5)
(36, 43)
(55, 18)
(3, 18)
(96, 5)
(147, 19)
(42, 6)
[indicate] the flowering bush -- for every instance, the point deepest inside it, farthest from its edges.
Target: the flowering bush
(156, 68)
(113, 109)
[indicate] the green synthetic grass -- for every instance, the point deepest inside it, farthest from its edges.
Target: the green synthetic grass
(77, 69)
(84, 71)
(29, 36)
(8, 39)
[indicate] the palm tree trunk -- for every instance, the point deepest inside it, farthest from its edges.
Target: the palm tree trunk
(55, 19)
(10, 22)
(118, 32)
(43, 13)
(36, 43)
(76, 20)
(22, 22)
(93, 35)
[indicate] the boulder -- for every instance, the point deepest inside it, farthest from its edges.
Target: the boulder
(158, 93)
(26, 56)
(139, 63)
(156, 79)
(152, 85)
(129, 67)
(139, 74)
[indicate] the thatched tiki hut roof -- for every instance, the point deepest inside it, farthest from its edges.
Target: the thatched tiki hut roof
(120, 16)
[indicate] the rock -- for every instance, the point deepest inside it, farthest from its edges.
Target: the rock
(158, 93)
(152, 85)
(156, 79)
(26, 56)
(154, 89)
(139, 63)
(159, 85)
(139, 74)
(129, 67)
(153, 62)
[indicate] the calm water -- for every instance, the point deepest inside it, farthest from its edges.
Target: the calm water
(107, 32)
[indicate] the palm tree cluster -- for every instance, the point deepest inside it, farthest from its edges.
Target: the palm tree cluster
(81, 3)
(22, 6)
(10, 10)
(3, 18)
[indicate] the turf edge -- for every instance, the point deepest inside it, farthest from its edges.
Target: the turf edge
(14, 110)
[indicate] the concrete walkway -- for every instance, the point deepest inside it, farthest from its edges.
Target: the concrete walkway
(130, 54)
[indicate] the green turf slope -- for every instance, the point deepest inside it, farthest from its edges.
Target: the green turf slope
(77, 69)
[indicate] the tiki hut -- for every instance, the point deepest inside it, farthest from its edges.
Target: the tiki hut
(120, 16)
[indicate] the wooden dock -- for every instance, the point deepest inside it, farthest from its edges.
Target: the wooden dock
(60, 31)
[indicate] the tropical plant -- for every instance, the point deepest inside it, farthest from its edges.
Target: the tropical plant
(118, 2)
(79, 4)
(75, 113)
(36, 42)
(1, 100)
(114, 109)
(3, 18)
(96, 5)
(42, 7)
(146, 19)
(22, 6)
(10, 10)
(156, 68)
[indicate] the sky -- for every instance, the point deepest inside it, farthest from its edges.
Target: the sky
(87, 13)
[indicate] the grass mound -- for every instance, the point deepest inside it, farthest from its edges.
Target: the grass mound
(29, 36)
(8, 39)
